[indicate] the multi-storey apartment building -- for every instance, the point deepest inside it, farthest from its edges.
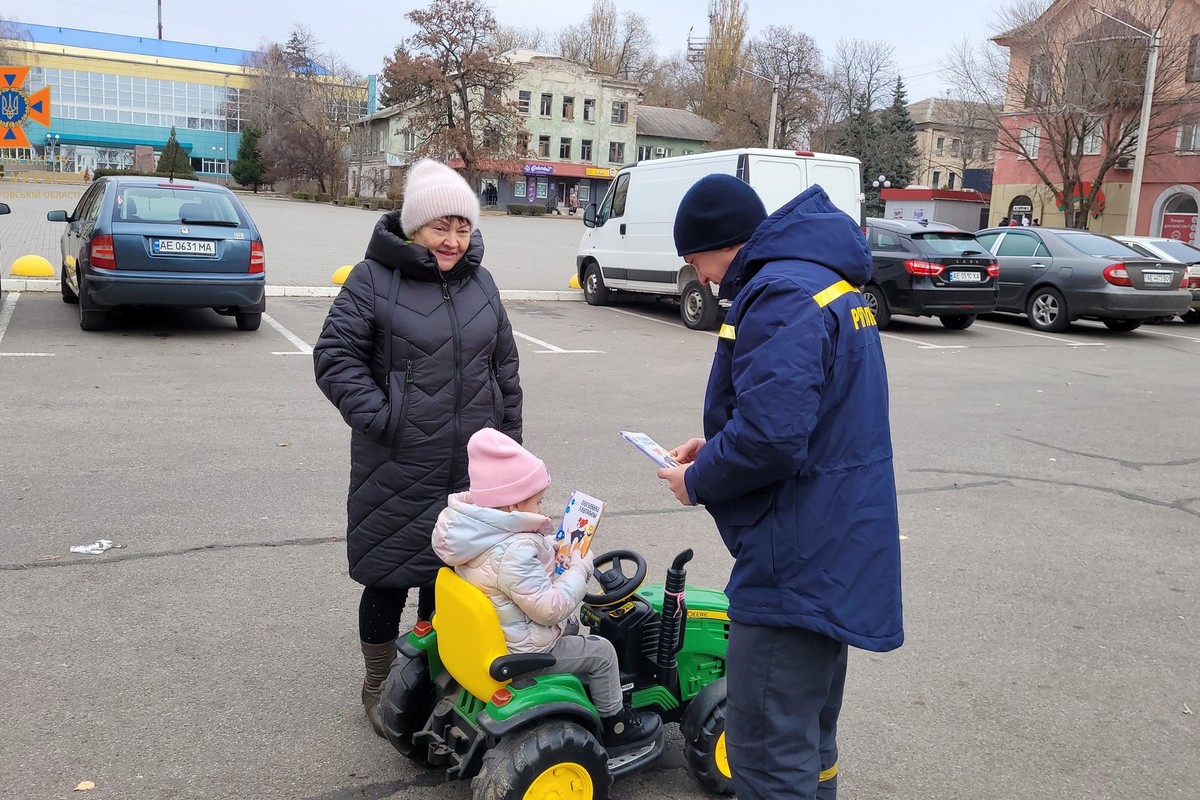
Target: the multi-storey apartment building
(580, 127)
(956, 141)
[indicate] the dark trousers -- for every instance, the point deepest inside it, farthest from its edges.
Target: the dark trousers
(379, 612)
(784, 696)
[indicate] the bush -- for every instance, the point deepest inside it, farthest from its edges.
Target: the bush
(525, 210)
(349, 200)
(537, 211)
(386, 205)
(323, 197)
(302, 195)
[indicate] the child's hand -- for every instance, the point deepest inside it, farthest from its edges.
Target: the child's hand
(587, 562)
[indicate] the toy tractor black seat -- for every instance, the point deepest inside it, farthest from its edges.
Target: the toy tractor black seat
(456, 699)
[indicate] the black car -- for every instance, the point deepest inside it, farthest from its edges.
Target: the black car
(928, 269)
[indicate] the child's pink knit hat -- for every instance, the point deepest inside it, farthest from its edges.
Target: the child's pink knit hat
(502, 472)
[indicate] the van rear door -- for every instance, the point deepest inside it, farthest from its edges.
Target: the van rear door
(777, 179)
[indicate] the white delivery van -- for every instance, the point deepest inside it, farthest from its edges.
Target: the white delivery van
(629, 244)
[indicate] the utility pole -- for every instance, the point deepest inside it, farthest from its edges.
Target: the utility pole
(1139, 154)
(696, 50)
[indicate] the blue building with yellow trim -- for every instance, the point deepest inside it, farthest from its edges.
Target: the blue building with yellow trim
(111, 92)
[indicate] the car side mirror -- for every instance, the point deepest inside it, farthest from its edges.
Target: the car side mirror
(4, 209)
(589, 215)
(58, 216)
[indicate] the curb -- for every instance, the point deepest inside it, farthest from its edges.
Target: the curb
(515, 295)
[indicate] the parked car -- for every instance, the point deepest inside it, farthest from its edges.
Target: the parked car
(1055, 276)
(160, 242)
(928, 269)
(1184, 253)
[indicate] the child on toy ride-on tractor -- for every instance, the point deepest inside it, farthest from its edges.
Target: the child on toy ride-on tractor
(496, 538)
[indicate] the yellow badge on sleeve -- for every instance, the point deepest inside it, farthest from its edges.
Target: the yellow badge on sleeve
(726, 332)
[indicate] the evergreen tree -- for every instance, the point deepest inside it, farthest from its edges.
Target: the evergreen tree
(898, 155)
(249, 169)
(859, 136)
(174, 161)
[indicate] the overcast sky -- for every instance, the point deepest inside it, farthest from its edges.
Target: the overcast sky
(363, 32)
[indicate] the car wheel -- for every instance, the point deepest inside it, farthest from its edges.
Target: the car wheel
(1122, 325)
(878, 305)
(554, 759)
(594, 290)
(1047, 310)
(698, 307)
(1192, 316)
(405, 703)
(248, 321)
(90, 317)
(958, 322)
(68, 294)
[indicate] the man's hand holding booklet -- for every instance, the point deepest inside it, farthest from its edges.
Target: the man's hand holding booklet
(653, 449)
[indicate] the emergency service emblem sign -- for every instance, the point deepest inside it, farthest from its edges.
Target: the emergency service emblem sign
(16, 106)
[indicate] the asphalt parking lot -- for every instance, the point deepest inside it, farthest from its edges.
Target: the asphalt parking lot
(1049, 496)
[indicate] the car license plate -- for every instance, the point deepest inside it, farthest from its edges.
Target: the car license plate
(1159, 278)
(965, 276)
(184, 247)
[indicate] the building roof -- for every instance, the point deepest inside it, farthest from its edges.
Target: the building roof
(138, 45)
(675, 123)
(945, 112)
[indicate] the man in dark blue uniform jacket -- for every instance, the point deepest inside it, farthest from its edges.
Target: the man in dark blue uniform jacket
(796, 470)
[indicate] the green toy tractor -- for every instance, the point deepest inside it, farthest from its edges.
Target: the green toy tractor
(457, 700)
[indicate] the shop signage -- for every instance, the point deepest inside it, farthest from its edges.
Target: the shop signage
(600, 172)
(539, 169)
(1181, 227)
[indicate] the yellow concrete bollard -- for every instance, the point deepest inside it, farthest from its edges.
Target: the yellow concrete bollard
(340, 274)
(573, 283)
(32, 266)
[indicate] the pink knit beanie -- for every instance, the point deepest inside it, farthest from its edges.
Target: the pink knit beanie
(502, 472)
(432, 191)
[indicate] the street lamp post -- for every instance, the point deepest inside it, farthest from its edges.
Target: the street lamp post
(880, 184)
(218, 156)
(695, 54)
(1139, 155)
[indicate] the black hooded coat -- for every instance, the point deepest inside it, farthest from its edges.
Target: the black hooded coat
(416, 361)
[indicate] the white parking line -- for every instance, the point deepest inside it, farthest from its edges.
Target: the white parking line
(549, 347)
(923, 345)
(1059, 339)
(1172, 335)
(302, 347)
(10, 305)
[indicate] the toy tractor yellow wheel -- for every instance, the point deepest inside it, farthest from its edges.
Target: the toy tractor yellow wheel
(554, 760)
(703, 729)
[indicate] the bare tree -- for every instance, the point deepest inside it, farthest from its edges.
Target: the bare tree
(725, 56)
(1064, 83)
(614, 44)
(508, 38)
(793, 57)
(860, 71)
(451, 77)
(678, 83)
(12, 42)
(303, 103)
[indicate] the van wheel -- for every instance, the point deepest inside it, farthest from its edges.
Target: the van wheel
(878, 305)
(594, 290)
(698, 307)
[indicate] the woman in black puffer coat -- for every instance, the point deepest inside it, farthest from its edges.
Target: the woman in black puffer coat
(417, 353)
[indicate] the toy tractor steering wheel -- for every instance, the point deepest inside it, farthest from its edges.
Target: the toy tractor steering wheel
(611, 575)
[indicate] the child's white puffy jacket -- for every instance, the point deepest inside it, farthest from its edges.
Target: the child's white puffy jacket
(509, 555)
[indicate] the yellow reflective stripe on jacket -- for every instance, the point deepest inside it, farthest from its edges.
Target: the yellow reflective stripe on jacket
(827, 774)
(827, 296)
(726, 332)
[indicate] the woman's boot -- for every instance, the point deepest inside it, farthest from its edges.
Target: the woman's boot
(378, 659)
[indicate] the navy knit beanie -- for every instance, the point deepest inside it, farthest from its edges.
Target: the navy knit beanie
(718, 211)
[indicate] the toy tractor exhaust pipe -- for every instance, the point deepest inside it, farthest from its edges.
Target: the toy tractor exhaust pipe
(673, 612)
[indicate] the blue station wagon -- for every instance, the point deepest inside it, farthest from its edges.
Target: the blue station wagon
(148, 241)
